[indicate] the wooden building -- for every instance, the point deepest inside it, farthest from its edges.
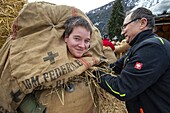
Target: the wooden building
(162, 18)
(163, 26)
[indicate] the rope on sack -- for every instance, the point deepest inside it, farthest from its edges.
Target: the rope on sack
(90, 87)
(59, 94)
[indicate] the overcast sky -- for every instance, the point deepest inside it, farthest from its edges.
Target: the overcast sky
(84, 5)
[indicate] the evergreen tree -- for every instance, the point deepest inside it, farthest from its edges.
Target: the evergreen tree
(116, 20)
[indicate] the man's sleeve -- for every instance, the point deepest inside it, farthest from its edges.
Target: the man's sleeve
(141, 71)
(118, 65)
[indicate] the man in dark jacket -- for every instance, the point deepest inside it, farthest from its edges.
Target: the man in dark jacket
(144, 72)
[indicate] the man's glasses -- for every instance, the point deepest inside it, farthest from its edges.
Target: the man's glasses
(124, 26)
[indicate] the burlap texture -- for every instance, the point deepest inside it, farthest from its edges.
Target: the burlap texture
(37, 34)
(78, 101)
(109, 54)
(121, 48)
(8, 84)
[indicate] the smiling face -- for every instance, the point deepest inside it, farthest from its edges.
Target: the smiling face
(131, 29)
(78, 41)
(137, 21)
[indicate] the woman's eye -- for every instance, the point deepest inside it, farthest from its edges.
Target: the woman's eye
(76, 38)
(87, 41)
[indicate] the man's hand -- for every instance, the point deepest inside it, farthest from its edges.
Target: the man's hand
(114, 68)
(98, 73)
(111, 65)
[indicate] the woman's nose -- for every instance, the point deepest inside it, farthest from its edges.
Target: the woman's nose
(82, 44)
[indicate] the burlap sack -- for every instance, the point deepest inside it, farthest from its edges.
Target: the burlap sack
(78, 101)
(37, 55)
(8, 85)
(109, 54)
(121, 48)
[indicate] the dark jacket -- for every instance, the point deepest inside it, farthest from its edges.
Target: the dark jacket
(144, 80)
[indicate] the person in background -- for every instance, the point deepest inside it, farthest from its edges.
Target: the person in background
(143, 81)
(107, 43)
(108, 49)
(121, 48)
(77, 37)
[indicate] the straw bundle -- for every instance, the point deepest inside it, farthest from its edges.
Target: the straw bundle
(110, 104)
(106, 102)
(8, 11)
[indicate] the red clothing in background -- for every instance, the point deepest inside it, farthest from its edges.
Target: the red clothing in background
(107, 43)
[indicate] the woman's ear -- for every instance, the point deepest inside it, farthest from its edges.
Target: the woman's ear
(65, 39)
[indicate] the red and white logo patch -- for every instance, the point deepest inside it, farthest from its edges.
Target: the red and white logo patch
(138, 65)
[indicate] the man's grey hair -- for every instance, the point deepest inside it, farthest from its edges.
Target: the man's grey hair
(142, 12)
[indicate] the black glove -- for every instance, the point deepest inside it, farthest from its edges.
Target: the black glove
(114, 68)
(111, 65)
(98, 73)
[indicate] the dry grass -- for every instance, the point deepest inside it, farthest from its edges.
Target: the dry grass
(111, 104)
(8, 11)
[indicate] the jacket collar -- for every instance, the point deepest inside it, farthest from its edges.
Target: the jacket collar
(142, 36)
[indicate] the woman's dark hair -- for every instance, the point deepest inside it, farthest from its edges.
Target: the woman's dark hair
(75, 21)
